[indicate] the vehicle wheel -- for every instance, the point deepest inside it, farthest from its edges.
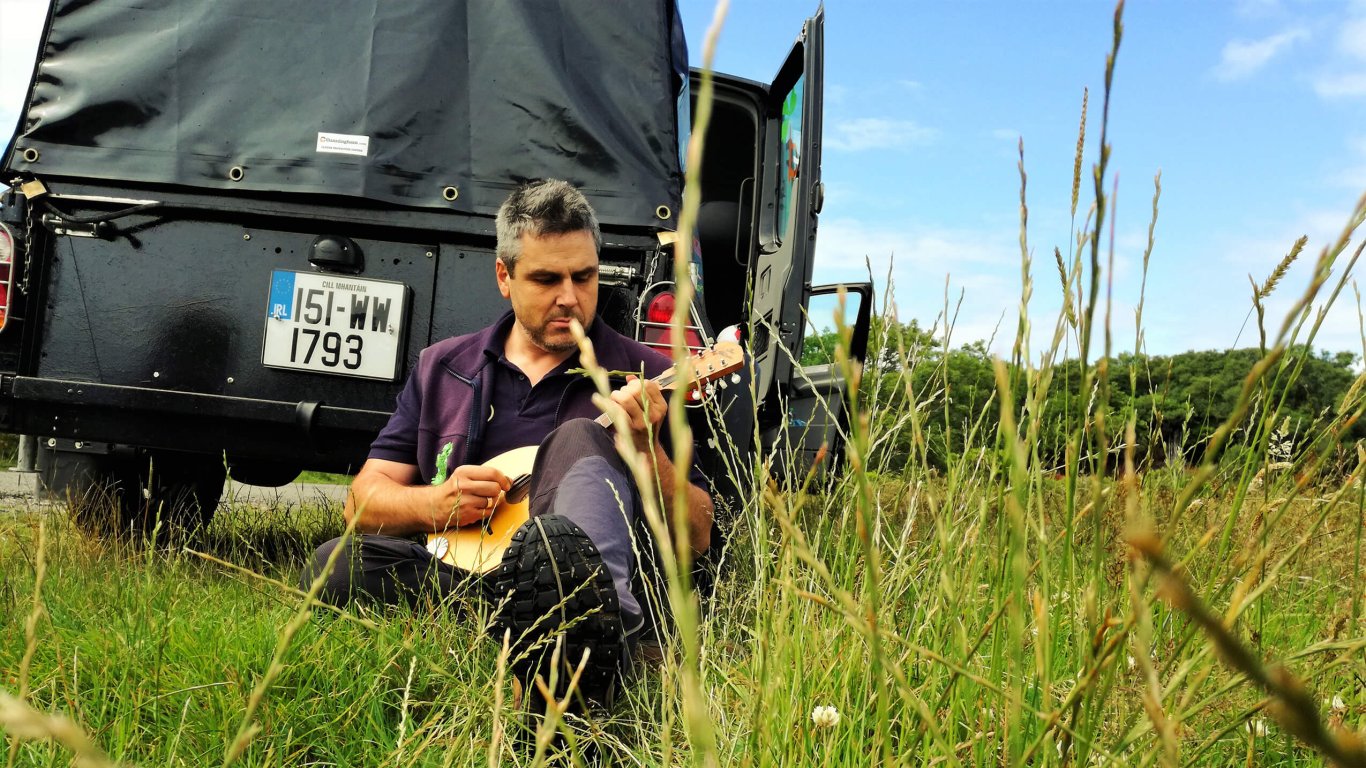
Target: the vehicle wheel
(87, 484)
(130, 490)
(180, 489)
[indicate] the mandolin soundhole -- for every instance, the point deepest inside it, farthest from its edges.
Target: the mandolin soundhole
(520, 487)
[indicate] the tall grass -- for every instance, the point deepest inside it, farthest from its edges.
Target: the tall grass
(997, 609)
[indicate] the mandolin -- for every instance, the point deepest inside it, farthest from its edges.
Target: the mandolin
(479, 547)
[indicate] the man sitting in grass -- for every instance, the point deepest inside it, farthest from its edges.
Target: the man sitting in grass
(511, 385)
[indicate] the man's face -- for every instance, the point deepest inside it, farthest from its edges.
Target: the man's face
(556, 280)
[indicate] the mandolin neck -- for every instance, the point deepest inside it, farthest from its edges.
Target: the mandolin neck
(665, 380)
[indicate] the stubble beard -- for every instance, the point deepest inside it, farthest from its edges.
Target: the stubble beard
(540, 337)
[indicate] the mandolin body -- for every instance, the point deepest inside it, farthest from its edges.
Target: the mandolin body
(479, 547)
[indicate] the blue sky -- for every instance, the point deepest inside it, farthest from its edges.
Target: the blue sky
(1252, 110)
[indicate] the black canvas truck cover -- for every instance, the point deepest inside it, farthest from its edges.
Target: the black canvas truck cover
(409, 103)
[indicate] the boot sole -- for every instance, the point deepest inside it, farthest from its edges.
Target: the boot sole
(552, 581)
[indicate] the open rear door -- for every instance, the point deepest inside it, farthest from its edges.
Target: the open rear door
(815, 420)
(790, 197)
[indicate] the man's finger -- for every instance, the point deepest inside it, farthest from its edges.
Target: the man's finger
(630, 405)
(607, 405)
(479, 472)
(657, 402)
(480, 489)
(634, 412)
(630, 389)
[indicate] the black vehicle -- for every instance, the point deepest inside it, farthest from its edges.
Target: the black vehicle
(231, 225)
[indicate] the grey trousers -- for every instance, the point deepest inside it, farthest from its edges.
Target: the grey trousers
(577, 474)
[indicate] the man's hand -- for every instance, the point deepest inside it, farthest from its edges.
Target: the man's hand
(471, 493)
(644, 408)
(643, 405)
(390, 498)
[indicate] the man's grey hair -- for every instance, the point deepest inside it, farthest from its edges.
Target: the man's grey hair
(538, 208)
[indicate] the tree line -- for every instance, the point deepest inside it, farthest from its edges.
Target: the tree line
(1178, 401)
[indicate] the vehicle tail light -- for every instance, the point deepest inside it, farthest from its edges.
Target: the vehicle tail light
(657, 331)
(661, 308)
(7, 260)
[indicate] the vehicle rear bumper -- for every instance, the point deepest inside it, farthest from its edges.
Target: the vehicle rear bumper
(311, 434)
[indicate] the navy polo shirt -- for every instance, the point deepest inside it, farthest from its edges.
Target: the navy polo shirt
(520, 414)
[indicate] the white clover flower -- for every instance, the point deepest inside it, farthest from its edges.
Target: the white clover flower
(825, 717)
(1338, 704)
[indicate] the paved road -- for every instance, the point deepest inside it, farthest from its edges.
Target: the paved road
(24, 485)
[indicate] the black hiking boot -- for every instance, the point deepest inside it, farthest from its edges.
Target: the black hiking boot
(552, 582)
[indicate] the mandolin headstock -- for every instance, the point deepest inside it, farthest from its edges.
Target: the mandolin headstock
(708, 369)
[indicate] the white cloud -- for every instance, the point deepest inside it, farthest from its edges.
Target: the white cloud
(1352, 173)
(982, 264)
(1339, 331)
(1343, 77)
(845, 243)
(1006, 134)
(1342, 74)
(1244, 58)
(1341, 85)
(1256, 9)
(876, 133)
(1258, 251)
(1352, 38)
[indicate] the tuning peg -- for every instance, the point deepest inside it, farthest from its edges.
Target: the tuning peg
(694, 394)
(735, 378)
(711, 390)
(722, 383)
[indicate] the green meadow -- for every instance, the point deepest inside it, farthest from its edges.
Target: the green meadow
(1044, 557)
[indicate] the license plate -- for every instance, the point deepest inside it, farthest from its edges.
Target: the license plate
(335, 324)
